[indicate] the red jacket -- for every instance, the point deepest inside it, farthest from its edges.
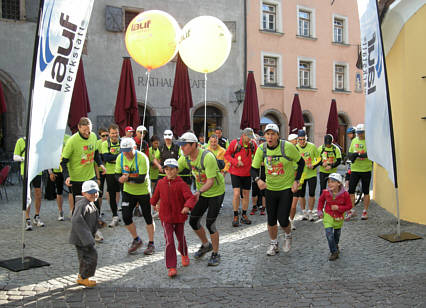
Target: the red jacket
(174, 195)
(246, 155)
(342, 199)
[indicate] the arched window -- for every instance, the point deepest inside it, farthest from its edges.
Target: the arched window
(214, 119)
(269, 118)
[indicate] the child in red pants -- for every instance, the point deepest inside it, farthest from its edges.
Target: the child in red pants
(173, 199)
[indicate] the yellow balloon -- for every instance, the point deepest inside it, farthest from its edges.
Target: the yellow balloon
(206, 44)
(152, 38)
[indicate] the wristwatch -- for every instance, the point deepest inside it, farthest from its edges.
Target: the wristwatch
(256, 179)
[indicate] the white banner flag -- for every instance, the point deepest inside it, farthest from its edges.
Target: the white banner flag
(377, 127)
(62, 31)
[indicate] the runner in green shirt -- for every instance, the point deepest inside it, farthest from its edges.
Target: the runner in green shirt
(154, 153)
(281, 182)
(331, 157)
(132, 170)
(103, 136)
(312, 160)
(360, 170)
(210, 193)
(110, 149)
(19, 155)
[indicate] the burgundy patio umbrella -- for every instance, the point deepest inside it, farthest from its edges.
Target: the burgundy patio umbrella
(126, 106)
(250, 117)
(333, 121)
(181, 100)
(3, 110)
(80, 105)
(296, 118)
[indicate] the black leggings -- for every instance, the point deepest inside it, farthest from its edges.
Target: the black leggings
(312, 183)
(365, 181)
(278, 205)
(128, 204)
(213, 206)
(113, 187)
(323, 180)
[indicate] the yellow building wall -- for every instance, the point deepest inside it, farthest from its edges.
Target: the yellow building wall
(406, 64)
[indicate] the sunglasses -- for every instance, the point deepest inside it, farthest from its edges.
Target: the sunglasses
(104, 136)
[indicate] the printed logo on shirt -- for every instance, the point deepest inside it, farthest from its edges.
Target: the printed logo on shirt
(274, 166)
(87, 159)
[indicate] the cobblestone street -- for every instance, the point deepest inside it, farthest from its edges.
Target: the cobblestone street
(370, 271)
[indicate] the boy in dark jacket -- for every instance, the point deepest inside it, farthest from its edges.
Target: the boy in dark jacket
(337, 201)
(84, 223)
(176, 200)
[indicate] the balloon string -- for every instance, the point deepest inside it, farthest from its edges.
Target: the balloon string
(205, 107)
(146, 97)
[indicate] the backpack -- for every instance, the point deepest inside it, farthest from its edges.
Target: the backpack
(220, 162)
(334, 149)
(282, 147)
(136, 162)
(109, 144)
(238, 148)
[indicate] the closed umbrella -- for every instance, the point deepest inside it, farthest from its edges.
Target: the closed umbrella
(333, 121)
(296, 118)
(181, 101)
(126, 106)
(3, 110)
(250, 117)
(80, 105)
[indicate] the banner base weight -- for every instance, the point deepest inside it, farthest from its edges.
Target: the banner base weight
(405, 236)
(16, 264)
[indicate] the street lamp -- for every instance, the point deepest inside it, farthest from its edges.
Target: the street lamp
(239, 95)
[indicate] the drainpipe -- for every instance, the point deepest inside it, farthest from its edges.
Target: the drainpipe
(245, 44)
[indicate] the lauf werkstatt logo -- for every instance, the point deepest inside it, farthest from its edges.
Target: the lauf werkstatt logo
(63, 64)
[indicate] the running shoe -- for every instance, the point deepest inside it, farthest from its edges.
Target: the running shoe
(28, 225)
(304, 215)
(61, 216)
(262, 211)
(172, 272)
(37, 222)
(333, 256)
(136, 244)
(114, 222)
(287, 243)
(311, 216)
(150, 249)
(364, 215)
(214, 259)
(273, 249)
(185, 261)
(99, 237)
(253, 210)
(349, 215)
(202, 251)
(86, 282)
(245, 220)
(235, 222)
(293, 225)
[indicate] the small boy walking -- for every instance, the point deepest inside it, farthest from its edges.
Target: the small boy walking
(337, 201)
(176, 200)
(84, 224)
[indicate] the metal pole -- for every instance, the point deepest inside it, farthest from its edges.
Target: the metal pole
(205, 107)
(146, 97)
(398, 224)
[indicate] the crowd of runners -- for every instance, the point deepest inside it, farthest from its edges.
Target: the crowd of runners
(179, 177)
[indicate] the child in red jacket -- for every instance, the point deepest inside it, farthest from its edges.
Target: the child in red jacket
(337, 202)
(176, 200)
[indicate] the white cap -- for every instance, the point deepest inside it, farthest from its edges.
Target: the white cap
(337, 177)
(171, 162)
(360, 128)
(127, 144)
(141, 128)
(187, 138)
(168, 134)
(273, 127)
(292, 137)
(90, 187)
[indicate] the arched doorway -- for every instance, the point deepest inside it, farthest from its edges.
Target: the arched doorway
(275, 117)
(214, 119)
(343, 126)
(309, 125)
(149, 121)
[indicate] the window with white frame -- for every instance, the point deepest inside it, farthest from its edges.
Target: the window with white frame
(340, 29)
(305, 74)
(304, 23)
(269, 16)
(339, 75)
(10, 9)
(270, 70)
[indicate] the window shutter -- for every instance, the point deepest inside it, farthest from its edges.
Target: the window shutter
(114, 19)
(31, 10)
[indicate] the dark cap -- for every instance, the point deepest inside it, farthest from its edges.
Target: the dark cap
(301, 133)
(328, 139)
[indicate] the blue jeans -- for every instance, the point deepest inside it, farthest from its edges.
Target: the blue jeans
(333, 236)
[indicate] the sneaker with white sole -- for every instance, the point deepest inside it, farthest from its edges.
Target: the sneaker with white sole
(364, 215)
(304, 215)
(311, 216)
(287, 243)
(293, 225)
(37, 222)
(61, 216)
(98, 237)
(114, 222)
(273, 249)
(28, 225)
